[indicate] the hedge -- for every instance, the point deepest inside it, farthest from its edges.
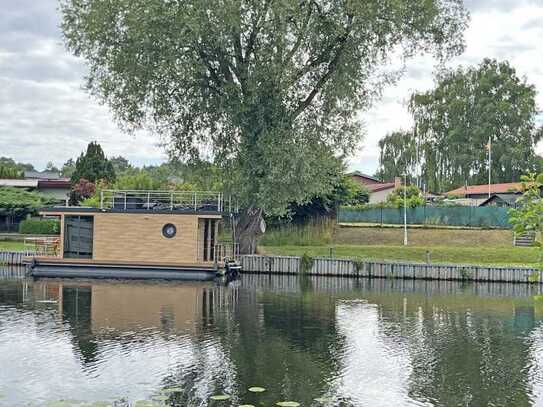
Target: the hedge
(39, 227)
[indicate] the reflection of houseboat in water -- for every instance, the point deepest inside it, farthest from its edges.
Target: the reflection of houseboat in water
(140, 234)
(109, 307)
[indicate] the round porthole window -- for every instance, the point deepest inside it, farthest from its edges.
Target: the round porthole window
(169, 230)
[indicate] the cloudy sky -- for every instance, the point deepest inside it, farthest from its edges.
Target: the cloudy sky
(46, 116)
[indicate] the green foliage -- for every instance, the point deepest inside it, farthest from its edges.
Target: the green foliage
(345, 192)
(11, 163)
(39, 227)
(306, 263)
(465, 274)
(453, 123)
(534, 277)
(139, 180)
(68, 168)
(272, 88)
(350, 192)
(200, 174)
(16, 201)
(397, 156)
(410, 194)
(135, 179)
(528, 215)
(8, 172)
(358, 266)
(120, 164)
(93, 165)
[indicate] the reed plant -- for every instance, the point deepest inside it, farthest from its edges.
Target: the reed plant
(314, 233)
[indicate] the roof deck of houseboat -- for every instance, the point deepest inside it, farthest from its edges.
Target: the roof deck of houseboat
(161, 201)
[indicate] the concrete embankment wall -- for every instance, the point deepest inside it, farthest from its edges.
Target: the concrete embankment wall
(291, 265)
(374, 269)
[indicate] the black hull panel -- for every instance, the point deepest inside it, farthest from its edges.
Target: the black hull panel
(128, 272)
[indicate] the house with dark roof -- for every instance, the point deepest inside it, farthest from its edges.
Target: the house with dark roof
(379, 191)
(501, 200)
(47, 183)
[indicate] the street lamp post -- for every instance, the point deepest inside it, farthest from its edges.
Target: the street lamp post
(405, 210)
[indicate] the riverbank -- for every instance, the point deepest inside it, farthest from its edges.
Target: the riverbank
(434, 245)
(11, 246)
(499, 256)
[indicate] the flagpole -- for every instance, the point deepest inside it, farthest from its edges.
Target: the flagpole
(489, 163)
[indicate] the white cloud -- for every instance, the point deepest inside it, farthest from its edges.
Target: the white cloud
(503, 29)
(45, 115)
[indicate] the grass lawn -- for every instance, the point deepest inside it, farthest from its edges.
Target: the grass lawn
(7, 245)
(438, 254)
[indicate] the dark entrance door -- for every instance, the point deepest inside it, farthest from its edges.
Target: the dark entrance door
(78, 234)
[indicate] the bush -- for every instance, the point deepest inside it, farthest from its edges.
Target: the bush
(413, 197)
(19, 202)
(40, 227)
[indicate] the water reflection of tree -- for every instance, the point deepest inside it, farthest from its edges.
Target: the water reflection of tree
(281, 342)
(11, 293)
(465, 358)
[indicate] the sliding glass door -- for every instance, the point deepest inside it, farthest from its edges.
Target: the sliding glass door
(78, 234)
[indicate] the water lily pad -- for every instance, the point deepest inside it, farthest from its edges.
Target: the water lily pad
(247, 405)
(287, 404)
(220, 397)
(257, 389)
(63, 403)
(145, 403)
(160, 397)
(324, 400)
(172, 390)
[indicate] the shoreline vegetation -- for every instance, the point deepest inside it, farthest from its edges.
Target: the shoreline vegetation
(454, 246)
(10, 245)
(325, 239)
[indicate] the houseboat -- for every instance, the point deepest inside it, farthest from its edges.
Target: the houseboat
(138, 234)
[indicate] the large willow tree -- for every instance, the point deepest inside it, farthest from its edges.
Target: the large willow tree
(272, 88)
(398, 155)
(453, 124)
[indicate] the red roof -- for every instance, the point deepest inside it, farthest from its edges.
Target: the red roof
(483, 189)
(380, 187)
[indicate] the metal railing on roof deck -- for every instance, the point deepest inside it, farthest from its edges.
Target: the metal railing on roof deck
(162, 200)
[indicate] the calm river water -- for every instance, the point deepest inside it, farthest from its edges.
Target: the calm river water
(342, 341)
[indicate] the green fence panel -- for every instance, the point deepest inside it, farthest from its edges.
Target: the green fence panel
(471, 216)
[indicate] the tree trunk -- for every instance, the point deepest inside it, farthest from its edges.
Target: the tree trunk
(248, 225)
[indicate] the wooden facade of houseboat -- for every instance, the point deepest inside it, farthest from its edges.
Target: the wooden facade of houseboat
(139, 234)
